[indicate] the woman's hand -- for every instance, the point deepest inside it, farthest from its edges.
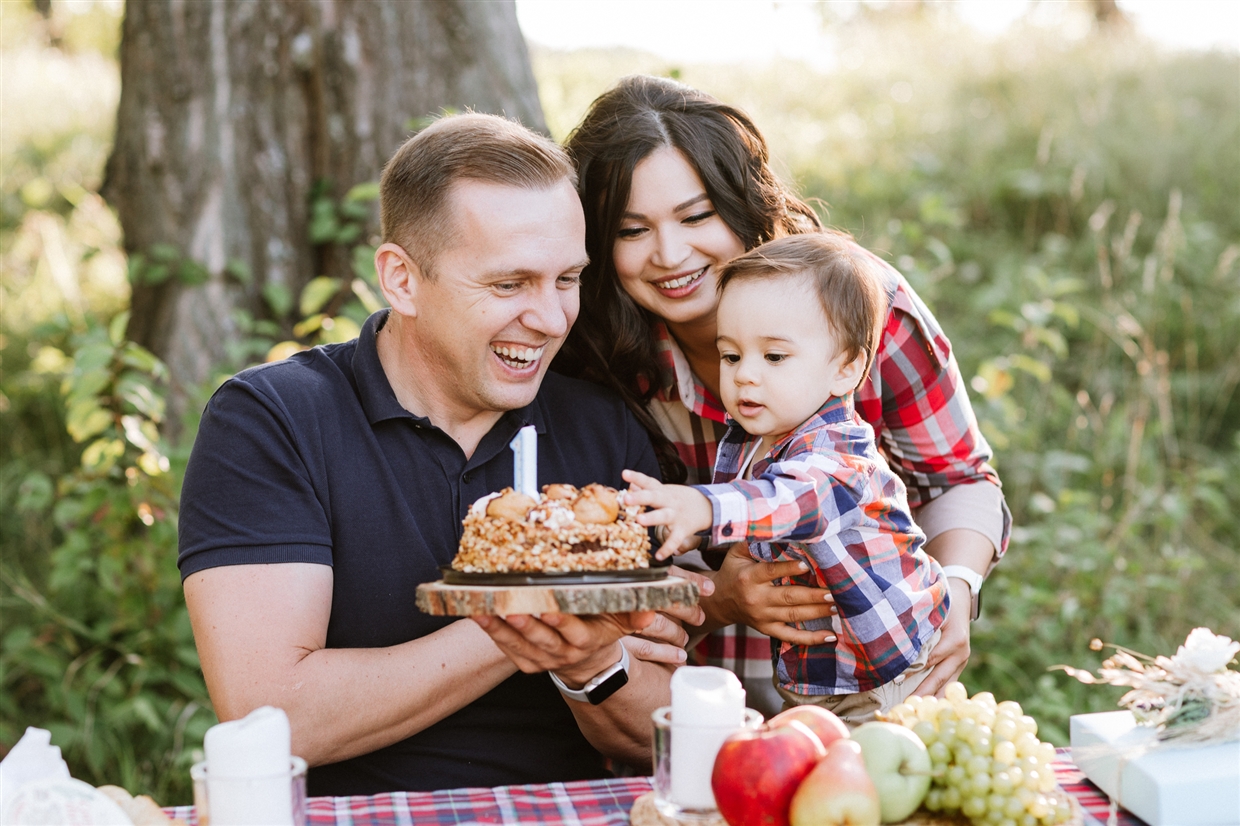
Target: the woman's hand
(746, 594)
(951, 654)
(958, 546)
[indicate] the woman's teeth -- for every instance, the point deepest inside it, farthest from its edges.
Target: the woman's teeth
(518, 357)
(683, 281)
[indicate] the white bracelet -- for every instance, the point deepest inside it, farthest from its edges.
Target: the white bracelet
(967, 574)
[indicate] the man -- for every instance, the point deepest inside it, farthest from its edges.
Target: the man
(323, 489)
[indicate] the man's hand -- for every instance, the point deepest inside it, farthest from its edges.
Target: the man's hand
(682, 510)
(574, 647)
(746, 594)
(664, 640)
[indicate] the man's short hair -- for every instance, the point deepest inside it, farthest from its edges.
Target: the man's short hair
(413, 192)
(847, 282)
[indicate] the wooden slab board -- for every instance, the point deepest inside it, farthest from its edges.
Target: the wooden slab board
(441, 599)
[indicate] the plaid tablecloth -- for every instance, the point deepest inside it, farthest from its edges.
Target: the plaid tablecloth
(583, 803)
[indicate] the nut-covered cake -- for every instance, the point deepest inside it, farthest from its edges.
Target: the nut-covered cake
(564, 530)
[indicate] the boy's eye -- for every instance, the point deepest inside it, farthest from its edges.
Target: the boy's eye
(508, 286)
(569, 281)
(775, 358)
(730, 358)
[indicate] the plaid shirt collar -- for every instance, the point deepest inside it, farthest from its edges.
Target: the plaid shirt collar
(736, 442)
(678, 381)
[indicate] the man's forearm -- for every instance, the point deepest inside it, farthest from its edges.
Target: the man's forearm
(346, 702)
(261, 635)
(620, 727)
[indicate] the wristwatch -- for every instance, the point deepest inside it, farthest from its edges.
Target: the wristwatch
(602, 685)
(974, 579)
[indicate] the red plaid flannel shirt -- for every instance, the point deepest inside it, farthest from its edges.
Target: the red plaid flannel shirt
(914, 398)
(825, 496)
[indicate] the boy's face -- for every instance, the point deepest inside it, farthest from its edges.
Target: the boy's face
(779, 361)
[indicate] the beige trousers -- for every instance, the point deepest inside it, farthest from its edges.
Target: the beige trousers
(855, 709)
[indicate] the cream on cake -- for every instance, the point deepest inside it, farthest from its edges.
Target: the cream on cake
(565, 530)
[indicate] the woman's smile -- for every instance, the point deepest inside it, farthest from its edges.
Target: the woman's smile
(679, 286)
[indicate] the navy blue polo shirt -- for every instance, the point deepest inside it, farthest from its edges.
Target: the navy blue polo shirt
(313, 459)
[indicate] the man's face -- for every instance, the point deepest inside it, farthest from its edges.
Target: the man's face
(503, 295)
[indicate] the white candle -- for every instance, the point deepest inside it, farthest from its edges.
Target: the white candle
(525, 461)
(248, 770)
(708, 704)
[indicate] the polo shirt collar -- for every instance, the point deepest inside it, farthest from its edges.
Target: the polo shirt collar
(379, 399)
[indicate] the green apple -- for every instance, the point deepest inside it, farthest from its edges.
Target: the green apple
(838, 792)
(898, 763)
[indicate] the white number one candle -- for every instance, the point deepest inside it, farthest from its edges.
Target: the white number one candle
(525, 461)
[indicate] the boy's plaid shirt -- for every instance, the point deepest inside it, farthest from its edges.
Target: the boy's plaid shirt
(914, 398)
(826, 497)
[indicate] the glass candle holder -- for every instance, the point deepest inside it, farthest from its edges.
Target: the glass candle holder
(684, 757)
(269, 800)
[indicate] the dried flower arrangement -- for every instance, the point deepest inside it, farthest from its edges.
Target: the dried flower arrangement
(1191, 697)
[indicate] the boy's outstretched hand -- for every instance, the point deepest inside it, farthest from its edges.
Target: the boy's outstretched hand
(682, 510)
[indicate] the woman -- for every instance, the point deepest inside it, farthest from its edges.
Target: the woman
(674, 184)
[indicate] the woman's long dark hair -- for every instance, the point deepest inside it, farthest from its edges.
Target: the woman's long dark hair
(612, 342)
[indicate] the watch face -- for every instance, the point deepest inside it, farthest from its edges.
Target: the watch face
(608, 687)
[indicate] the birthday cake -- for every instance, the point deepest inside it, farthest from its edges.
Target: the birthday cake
(564, 530)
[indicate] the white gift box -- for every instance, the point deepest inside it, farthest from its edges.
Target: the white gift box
(1163, 784)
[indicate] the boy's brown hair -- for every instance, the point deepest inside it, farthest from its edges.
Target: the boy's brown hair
(416, 182)
(847, 282)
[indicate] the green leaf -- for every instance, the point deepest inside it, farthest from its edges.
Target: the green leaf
(139, 396)
(35, 492)
(165, 253)
(323, 223)
(192, 273)
(1031, 366)
(102, 454)
(86, 419)
(240, 271)
(317, 293)
(156, 274)
(136, 268)
(142, 360)
(368, 191)
(348, 234)
(279, 298)
(116, 328)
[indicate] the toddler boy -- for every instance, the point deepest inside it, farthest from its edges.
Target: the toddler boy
(798, 475)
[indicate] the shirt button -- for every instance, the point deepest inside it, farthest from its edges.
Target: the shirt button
(467, 478)
(727, 530)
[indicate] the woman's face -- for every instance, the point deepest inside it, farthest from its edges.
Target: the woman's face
(671, 241)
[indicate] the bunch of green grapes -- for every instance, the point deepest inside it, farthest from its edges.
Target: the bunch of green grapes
(987, 761)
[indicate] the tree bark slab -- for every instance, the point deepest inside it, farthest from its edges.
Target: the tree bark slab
(441, 599)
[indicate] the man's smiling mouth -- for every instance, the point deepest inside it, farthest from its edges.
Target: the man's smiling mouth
(518, 358)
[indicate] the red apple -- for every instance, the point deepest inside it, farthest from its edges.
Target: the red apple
(838, 792)
(817, 719)
(758, 770)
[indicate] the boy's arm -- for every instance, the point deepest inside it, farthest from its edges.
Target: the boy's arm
(801, 499)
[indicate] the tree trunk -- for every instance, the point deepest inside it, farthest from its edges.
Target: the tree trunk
(232, 113)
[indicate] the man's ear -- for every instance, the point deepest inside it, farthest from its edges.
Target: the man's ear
(848, 376)
(399, 278)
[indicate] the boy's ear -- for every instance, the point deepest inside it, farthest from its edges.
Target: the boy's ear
(399, 278)
(849, 375)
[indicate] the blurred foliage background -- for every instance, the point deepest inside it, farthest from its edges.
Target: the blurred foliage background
(1066, 206)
